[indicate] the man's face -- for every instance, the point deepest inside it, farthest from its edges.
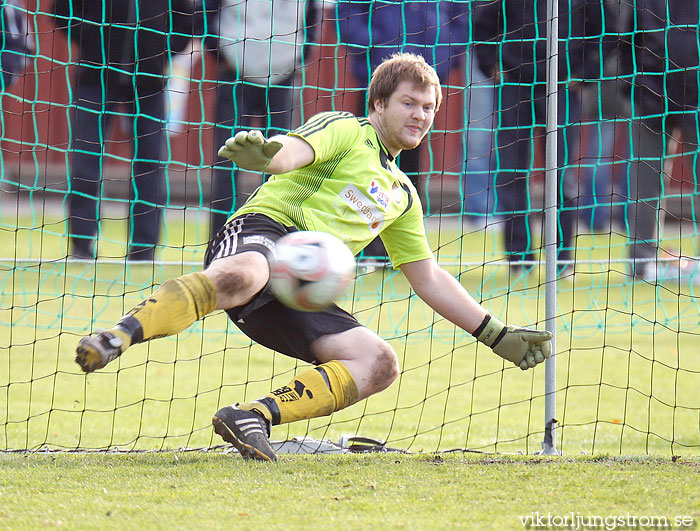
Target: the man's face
(406, 117)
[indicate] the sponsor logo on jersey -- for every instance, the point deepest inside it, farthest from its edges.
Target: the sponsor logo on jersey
(364, 206)
(379, 195)
(369, 143)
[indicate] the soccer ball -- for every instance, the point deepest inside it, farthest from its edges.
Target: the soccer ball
(309, 270)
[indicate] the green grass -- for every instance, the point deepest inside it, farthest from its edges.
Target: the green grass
(391, 491)
(627, 364)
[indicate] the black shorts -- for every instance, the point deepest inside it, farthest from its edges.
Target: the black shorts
(264, 319)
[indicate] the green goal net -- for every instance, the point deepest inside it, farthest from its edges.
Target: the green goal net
(109, 141)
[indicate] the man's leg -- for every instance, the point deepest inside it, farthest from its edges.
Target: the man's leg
(569, 141)
(514, 141)
(689, 125)
(176, 305)
(648, 142)
(354, 364)
(239, 105)
(479, 140)
(88, 131)
(147, 176)
(223, 175)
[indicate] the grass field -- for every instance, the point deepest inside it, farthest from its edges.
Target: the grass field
(391, 491)
(628, 369)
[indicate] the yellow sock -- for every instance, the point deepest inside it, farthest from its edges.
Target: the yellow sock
(314, 393)
(172, 308)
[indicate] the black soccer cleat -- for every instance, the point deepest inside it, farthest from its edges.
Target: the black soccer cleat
(96, 351)
(248, 431)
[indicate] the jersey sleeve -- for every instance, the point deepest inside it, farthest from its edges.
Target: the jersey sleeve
(405, 240)
(329, 133)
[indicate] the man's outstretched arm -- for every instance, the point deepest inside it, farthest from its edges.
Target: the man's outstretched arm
(444, 294)
(250, 150)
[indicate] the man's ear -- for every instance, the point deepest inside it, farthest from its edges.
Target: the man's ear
(379, 105)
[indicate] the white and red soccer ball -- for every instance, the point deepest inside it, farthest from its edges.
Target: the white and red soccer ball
(310, 270)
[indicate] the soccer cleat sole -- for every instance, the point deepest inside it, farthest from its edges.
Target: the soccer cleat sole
(246, 450)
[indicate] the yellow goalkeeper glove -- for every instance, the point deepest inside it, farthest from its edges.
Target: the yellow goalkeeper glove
(522, 346)
(250, 150)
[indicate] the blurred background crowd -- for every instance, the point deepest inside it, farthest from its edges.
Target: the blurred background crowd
(92, 91)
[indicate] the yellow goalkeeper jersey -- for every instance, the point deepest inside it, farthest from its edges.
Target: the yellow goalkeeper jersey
(353, 189)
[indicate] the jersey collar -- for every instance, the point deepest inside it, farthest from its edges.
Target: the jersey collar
(384, 156)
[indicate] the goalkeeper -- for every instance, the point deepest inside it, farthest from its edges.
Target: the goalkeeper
(336, 173)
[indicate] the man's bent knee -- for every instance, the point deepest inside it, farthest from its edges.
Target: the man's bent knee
(385, 368)
(371, 361)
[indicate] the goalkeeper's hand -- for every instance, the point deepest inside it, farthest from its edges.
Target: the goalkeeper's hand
(523, 346)
(250, 150)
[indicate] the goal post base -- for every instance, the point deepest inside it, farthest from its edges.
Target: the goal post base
(548, 445)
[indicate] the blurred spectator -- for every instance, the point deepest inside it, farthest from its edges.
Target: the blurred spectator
(479, 116)
(259, 45)
(125, 49)
(606, 114)
(510, 38)
(606, 111)
(479, 143)
(662, 64)
(373, 31)
(15, 43)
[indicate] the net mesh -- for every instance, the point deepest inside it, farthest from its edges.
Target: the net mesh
(627, 370)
